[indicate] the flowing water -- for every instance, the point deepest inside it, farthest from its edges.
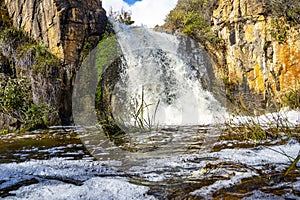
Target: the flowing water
(162, 80)
(176, 162)
(167, 104)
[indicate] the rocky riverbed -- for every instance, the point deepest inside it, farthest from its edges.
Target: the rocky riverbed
(173, 162)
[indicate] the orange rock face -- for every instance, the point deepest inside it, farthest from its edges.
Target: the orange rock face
(262, 52)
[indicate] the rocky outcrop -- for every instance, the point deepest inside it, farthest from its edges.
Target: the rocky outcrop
(68, 28)
(254, 44)
(42, 44)
(64, 26)
(261, 51)
(30, 80)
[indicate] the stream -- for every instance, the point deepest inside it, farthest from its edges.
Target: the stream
(175, 162)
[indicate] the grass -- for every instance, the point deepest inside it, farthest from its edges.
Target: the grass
(292, 99)
(272, 126)
(140, 112)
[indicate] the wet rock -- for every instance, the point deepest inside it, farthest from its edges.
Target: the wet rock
(9, 123)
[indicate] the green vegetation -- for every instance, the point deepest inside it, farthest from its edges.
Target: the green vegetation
(3, 132)
(16, 101)
(108, 58)
(279, 30)
(108, 50)
(192, 17)
(272, 126)
(86, 48)
(121, 16)
(13, 94)
(28, 51)
(38, 116)
(42, 57)
(256, 126)
(292, 99)
(29, 61)
(289, 9)
(140, 112)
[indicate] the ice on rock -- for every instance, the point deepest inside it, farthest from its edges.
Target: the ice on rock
(94, 188)
(67, 179)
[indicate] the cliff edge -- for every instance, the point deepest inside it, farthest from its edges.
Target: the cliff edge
(42, 44)
(254, 44)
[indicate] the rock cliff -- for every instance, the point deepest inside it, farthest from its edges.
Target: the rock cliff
(64, 26)
(68, 28)
(42, 44)
(255, 44)
(261, 49)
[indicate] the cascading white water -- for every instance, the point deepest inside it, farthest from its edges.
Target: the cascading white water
(158, 85)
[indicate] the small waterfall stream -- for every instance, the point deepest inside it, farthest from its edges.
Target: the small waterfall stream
(161, 83)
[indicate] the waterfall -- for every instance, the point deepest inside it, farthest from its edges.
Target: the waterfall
(162, 80)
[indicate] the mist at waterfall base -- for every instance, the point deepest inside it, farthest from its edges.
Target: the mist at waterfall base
(161, 81)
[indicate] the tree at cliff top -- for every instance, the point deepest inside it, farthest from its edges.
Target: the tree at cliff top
(121, 16)
(192, 17)
(290, 9)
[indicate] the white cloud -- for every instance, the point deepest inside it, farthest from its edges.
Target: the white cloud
(145, 12)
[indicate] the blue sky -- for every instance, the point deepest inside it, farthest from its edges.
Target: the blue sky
(131, 2)
(144, 12)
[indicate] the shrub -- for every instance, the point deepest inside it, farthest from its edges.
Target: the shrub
(289, 9)
(121, 16)
(14, 94)
(192, 17)
(38, 116)
(279, 30)
(292, 99)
